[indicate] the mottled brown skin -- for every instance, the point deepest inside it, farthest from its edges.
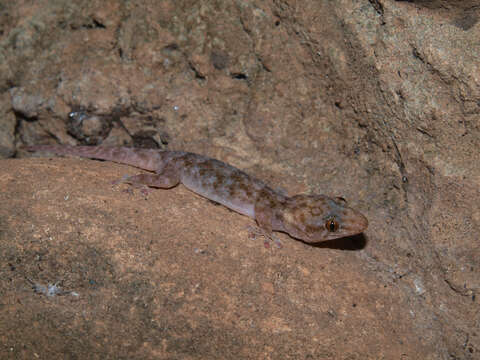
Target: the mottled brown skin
(311, 218)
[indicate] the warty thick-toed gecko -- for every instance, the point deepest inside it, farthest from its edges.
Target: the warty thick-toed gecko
(311, 218)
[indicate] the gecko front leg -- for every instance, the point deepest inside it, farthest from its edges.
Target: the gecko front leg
(266, 206)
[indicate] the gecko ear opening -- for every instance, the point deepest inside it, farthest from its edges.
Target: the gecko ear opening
(341, 199)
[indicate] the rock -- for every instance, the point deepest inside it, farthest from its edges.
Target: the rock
(177, 275)
(375, 101)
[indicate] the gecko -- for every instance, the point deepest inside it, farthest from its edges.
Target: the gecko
(309, 218)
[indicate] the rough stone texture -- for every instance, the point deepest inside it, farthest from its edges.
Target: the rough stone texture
(377, 101)
(7, 127)
(175, 276)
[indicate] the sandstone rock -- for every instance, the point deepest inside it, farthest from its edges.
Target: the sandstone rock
(377, 101)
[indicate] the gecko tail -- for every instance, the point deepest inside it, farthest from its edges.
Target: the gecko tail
(148, 159)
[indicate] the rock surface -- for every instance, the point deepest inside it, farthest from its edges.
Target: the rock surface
(377, 101)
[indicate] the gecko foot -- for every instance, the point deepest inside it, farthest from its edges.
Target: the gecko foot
(144, 189)
(121, 180)
(254, 232)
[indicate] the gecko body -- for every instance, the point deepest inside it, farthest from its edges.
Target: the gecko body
(311, 218)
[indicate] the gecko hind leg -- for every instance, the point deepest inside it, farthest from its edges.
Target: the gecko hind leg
(164, 180)
(153, 180)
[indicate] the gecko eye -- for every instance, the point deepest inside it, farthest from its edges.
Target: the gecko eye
(341, 199)
(331, 225)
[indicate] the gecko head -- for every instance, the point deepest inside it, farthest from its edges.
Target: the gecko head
(314, 218)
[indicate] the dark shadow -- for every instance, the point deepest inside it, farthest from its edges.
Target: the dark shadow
(352, 243)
